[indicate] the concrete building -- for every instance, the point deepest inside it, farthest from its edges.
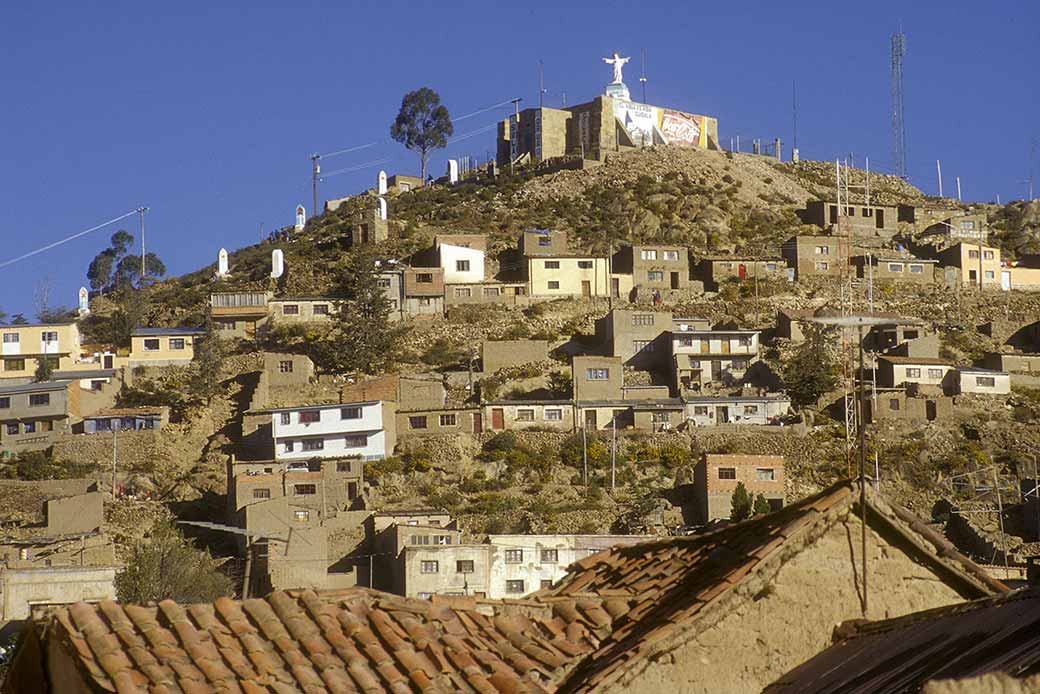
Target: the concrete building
(713, 357)
(423, 291)
(511, 415)
(354, 429)
(816, 256)
(501, 354)
(574, 275)
(490, 292)
(862, 220)
(151, 418)
(1012, 363)
(950, 225)
(284, 369)
(716, 478)
(927, 345)
(403, 183)
(439, 419)
(24, 346)
(654, 267)
(25, 589)
(543, 242)
(713, 410)
(324, 486)
(888, 405)
(238, 314)
(163, 346)
(982, 381)
(638, 337)
(714, 271)
(597, 378)
(460, 257)
(303, 309)
(893, 372)
(33, 415)
(894, 268)
(975, 264)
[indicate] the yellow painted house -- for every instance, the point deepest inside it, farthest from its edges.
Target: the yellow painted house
(163, 346)
(23, 346)
(573, 275)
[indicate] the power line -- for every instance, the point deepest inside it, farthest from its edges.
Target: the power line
(367, 164)
(67, 239)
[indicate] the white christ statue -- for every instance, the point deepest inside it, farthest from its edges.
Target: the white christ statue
(617, 61)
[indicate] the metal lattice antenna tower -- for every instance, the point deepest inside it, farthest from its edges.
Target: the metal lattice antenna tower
(898, 124)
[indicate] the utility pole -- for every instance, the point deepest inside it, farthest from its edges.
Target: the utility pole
(610, 276)
(541, 86)
(938, 171)
(141, 211)
(958, 189)
(315, 170)
(115, 434)
(642, 78)
(794, 110)
(613, 451)
(585, 454)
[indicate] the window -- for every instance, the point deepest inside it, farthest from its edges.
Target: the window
(464, 566)
(425, 301)
(597, 374)
(514, 556)
(39, 399)
(765, 474)
(549, 556)
(525, 415)
(301, 516)
(11, 338)
(429, 567)
(987, 255)
(5, 403)
(727, 473)
(935, 373)
(916, 269)
(738, 365)
(52, 336)
(263, 493)
(448, 420)
(286, 417)
(642, 319)
(29, 428)
(383, 282)
(313, 444)
(310, 416)
(988, 274)
(744, 341)
(12, 428)
(321, 309)
(344, 466)
(750, 409)
(985, 381)
(14, 365)
(355, 440)
(418, 539)
(823, 250)
(305, 489)
(291, 310)
(289, 448)
(700, 410)
(545, 583)
(544, 241)
(895, 267)
(552, 264)
(285, 367)
(770, 267)
(913, 373)
(176, 343)
(973, 254)
(686, 341)
(647, 254)
(424, 278)
(461, 266)
(492, 291)
(671, 255)
(350, 413)
(554, 285)
(584, 264)
(823, 267)
(463, 292)
(553, 415)
(151, 344)
(424, 596)
(967, 225)
(417, 422)
(515, 586)
(654, 276)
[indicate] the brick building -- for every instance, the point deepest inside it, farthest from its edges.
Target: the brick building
(716, 478)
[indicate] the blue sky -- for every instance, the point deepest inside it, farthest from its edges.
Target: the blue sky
(207, 112)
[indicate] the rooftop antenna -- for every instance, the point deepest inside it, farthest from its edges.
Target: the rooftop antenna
(794, 111)
(642, 78)
(541, 86)
(898, 124)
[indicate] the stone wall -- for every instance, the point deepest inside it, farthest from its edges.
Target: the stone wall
(136, 451)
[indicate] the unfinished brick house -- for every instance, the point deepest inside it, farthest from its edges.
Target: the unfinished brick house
(673, 614)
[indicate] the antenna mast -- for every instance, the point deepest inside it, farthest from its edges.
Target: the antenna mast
(898, 124)
(642, 78)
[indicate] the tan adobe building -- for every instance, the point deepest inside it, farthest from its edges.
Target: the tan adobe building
(896, 405)
(238, 314)
(862, 220)
(597, 378)
(714, 271)
(655, 267)
(713, 410)
(439, 420)
(23, 346)
(508, 415)
(574, 275)
(543, 242)
(423, 291)
(952, 225)
(33, 415)
(489, 292)
(716, 478)
(163, 346)
(284, 369)
(893, 372)
(307, 309)
(816, 256)
(894, 268)
(638, 337)
(976, 264)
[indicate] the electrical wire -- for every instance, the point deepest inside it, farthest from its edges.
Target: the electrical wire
(49, 246)
(367, 164)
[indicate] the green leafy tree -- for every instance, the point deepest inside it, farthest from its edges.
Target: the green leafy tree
(422, 125)
(362, 338)
(165, 566)
(19, 319)
(812, 370)
(116, 268)
(3, 315)
(44, 370)
(209, 358)
(740, 503)
(761, 506)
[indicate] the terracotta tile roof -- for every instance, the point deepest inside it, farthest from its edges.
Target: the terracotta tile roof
(1000, 634)
(356, 640)
(657, 589)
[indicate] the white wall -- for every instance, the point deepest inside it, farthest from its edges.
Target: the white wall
(766, 409)
(899, 372)
(1001, 382)
(450, 254)
(332, 429)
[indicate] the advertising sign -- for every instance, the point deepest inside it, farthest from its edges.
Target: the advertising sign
(649, 125)
(679, 128)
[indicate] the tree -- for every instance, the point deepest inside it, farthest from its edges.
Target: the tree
(114, 268)
(3, 315)
(19, 319)
(363, 338)
(165, 566)
(740, 503)
(44, 369)
(812, 370)
(422, 125)
(761, 506)
(209, 359)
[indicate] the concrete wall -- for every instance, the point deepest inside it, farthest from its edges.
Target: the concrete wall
(969, 260)
(303, 310)
(863, 220)
(375, 423)
(714, 494)
(714, 271)
(442, 420)
(815, 256)
(978, 382)
(24, 588)
(284, 369)
(22, 345)
(1021, 363)
(508, 416)
(500, 354)
(656, 267)
(543, 242)
(639, 338)
(738, 410)
(587, 387)
(461, 265)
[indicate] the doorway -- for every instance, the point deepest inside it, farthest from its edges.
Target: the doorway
(929, 410)
(590, 420)
(478, 423)
(108, 361)
(722, 414)
(675, 280)
(498, 419)
(586, 288)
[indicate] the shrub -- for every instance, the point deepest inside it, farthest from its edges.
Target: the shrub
(740, 503)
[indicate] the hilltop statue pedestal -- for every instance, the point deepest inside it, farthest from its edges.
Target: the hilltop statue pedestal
(618, 90)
